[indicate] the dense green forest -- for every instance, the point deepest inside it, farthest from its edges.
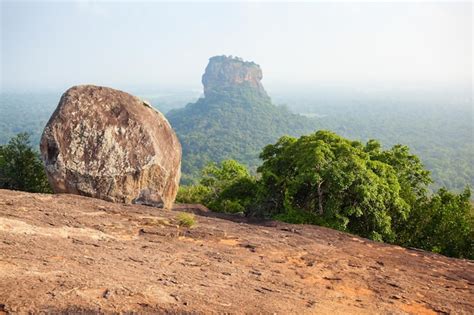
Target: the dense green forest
(321, 179)
(439, 130)
(325, 179)
(233, 123)
(437, 125)
(440, 133)
(25, 112)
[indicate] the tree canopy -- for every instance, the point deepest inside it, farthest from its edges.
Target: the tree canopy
(21, 167)
(336, 179)
(233, 123)
(225, 187)
(325, 179)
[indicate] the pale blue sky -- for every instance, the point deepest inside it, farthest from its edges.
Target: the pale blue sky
(54, 45)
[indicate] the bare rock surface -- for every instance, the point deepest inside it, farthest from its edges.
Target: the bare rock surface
(227, 72)
(72, 254)
(108, 144)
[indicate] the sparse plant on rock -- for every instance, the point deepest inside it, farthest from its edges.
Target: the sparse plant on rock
(187, 220)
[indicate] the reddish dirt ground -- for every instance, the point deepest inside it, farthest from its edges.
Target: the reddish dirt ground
(72, 254)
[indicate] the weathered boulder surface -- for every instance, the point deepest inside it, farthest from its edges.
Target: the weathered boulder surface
(108, 144)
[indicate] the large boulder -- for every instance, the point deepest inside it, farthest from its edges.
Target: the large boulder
(108, 144)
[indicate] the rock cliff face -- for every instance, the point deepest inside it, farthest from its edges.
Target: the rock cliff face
(108, 144)
(224, 73)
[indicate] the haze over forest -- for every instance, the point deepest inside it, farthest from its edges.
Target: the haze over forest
(397, 72)
(242, 127)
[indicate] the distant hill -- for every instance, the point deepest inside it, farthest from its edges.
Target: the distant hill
(235, 119)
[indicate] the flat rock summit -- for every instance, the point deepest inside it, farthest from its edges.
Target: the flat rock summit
(69, 254)
(225, 73)
(105, 143)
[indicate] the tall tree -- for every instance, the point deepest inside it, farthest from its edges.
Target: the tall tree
(335, 179)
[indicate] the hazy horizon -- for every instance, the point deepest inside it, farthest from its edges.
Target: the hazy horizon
(148, 45)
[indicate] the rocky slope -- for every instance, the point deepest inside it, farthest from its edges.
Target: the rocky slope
(73, 254)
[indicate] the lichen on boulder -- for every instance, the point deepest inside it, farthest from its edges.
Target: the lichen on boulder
(105, 143)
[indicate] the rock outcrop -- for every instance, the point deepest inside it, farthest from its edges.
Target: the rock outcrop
(66, 254)
(235, 119)
(108, 144)
(224, 73)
